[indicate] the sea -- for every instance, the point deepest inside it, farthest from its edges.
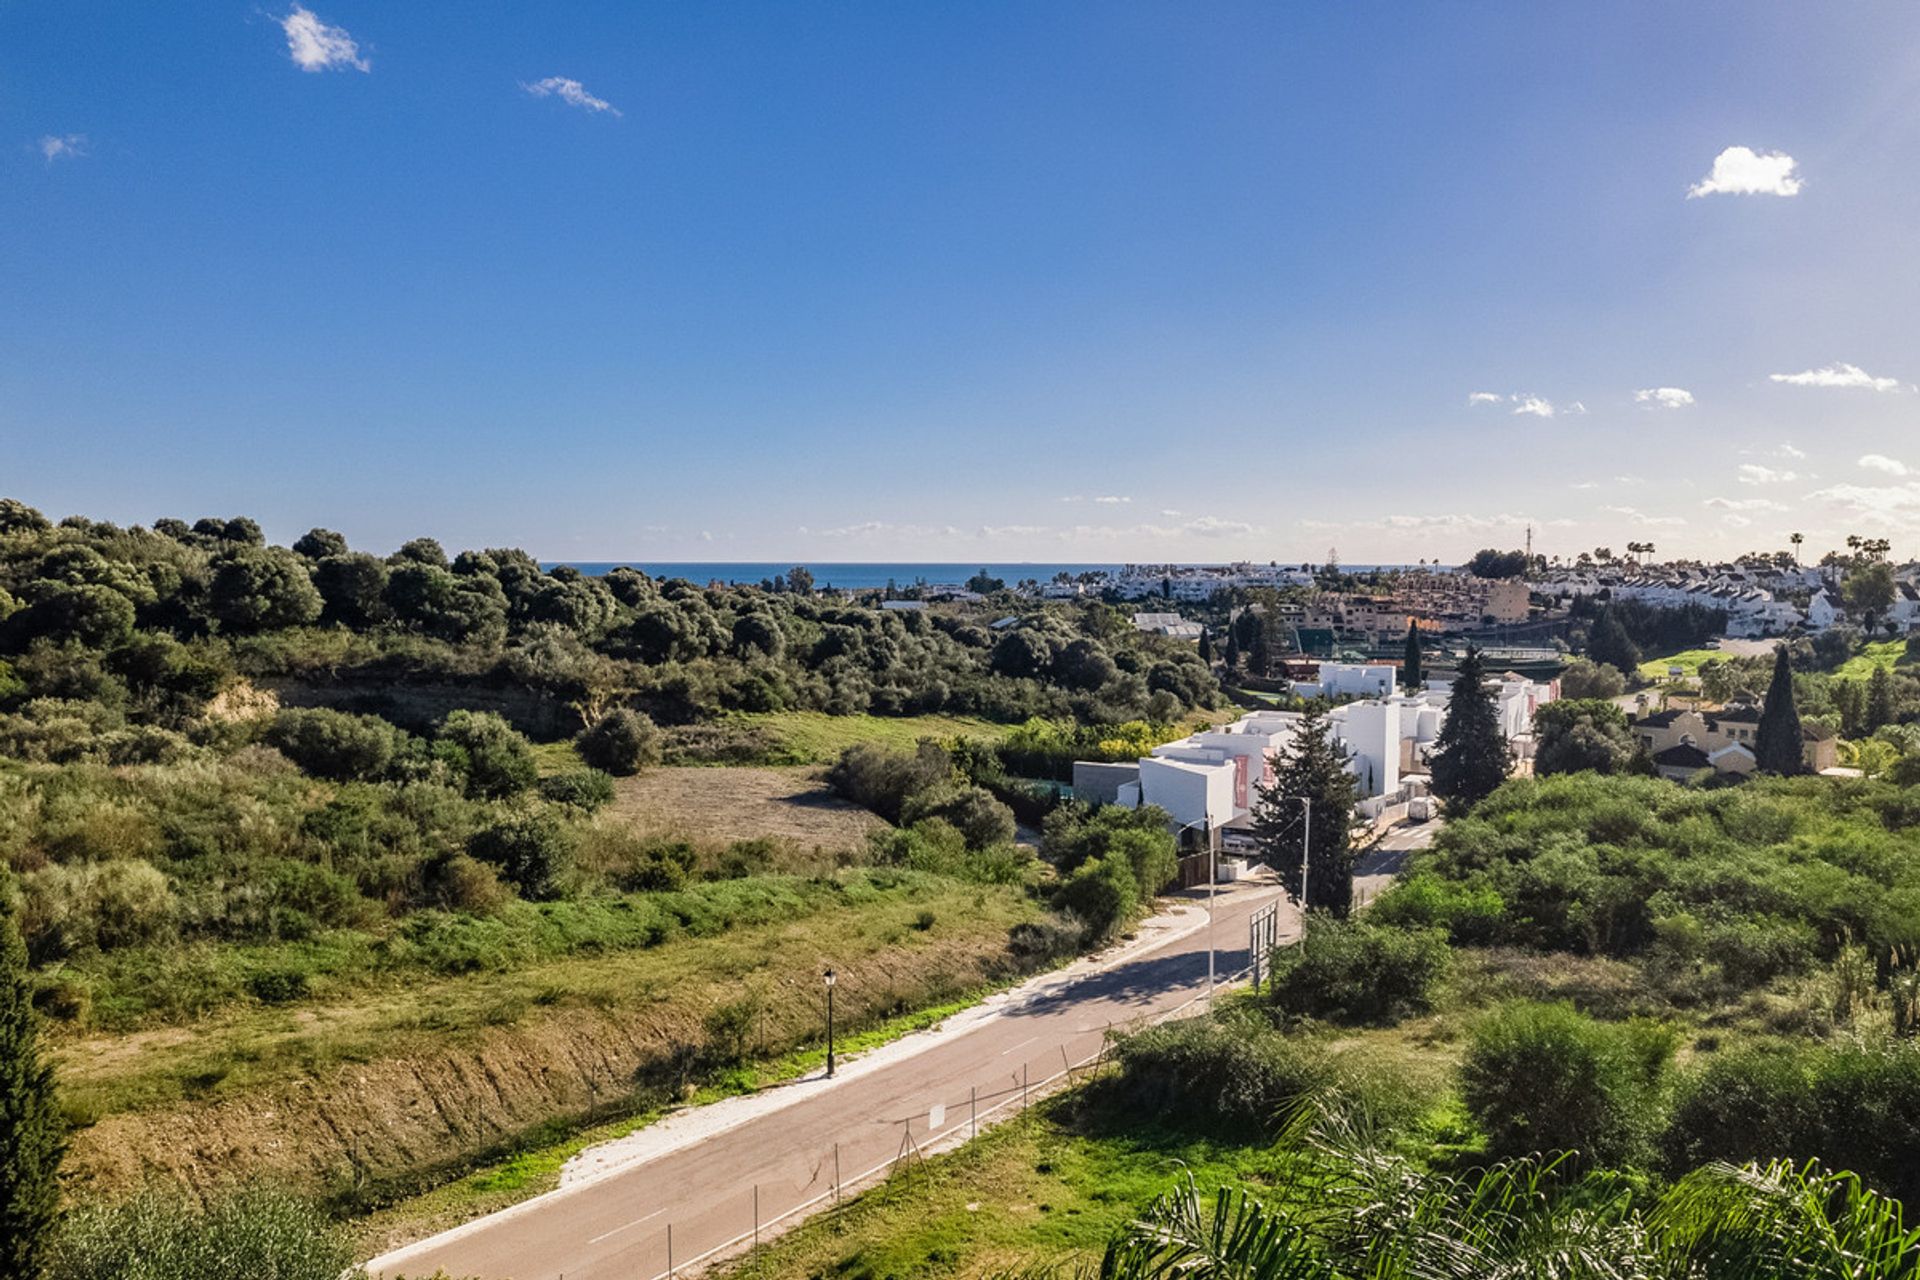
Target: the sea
(852, 576)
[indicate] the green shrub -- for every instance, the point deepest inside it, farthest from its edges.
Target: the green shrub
(1545, 1078)
(586, 789)
(1469, 913)
(1357, 971)
(531, 854)
(1238, 1077)
(278, 986)
(622, 742)
(495, 758)
(333, 744)
(95, 905)
(1102, 895)
(1850, 1105)
(255, 1235)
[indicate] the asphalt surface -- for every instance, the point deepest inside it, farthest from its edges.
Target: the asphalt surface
(692, 1204)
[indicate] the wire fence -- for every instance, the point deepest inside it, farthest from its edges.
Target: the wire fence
(829, 1174)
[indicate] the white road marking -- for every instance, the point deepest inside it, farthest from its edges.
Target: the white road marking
(617, 1230)
(1023, 1044)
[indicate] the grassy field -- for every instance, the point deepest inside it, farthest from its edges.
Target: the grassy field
(414, 1082)
(742, 802)
(1861, 665)
(813, 737)
(1688, 660)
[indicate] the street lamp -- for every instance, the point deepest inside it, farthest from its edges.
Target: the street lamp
(829, 981)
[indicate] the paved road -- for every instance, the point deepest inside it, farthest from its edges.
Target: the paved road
(616, 1227)
(1381, 861)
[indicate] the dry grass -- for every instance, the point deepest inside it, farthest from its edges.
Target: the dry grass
(705, 805)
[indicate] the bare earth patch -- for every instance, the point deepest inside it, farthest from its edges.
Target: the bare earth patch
(715, 804)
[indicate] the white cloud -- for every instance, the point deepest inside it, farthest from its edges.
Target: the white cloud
(315, 46)
(1629, 480)
(1170, 513)
(571, 92)
(1881, 462)
(1894, 506)
(1736, 522)
(1743, 504)
(1576, 407)
(70, 145)
(1113, 500)
(1587, 484)
(1640, 517)
(1754, 473)
(1534, 405)
(1788, 451)
(1484, 397)
(1664, 397)
(1742, 171)
(1837, 375)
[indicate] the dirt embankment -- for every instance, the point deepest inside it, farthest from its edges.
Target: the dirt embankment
(398, 1124)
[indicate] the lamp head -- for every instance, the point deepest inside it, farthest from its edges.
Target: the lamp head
(829, 977)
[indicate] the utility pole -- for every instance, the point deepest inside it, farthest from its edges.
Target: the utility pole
(1213, 883)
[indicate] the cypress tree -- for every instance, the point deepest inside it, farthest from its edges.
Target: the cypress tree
(1470, 757)
(1880, 710)
(1410, 673)
(31, 1138)
(1314, 769)
(1776, 746)
(1232, 655)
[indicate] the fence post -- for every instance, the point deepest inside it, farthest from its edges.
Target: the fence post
(669, 1248)
(756, 1215)
(973, 1111)
(1023, 1088)
(836, 1173)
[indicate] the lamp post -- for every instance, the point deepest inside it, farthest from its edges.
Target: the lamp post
(1306, 847)
(829, 981)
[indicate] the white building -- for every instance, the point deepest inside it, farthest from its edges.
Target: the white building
(1350, 679)
(1211, 779)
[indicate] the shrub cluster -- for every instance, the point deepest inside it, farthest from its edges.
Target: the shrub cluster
(1357, 971)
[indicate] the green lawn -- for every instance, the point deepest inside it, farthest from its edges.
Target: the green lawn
(1689, 660)
(813, 737)
(1884, 653)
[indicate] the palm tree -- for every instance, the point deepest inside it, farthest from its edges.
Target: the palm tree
(1796, 539)
(1366, 1215)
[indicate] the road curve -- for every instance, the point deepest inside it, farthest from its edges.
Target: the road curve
(695, 1202)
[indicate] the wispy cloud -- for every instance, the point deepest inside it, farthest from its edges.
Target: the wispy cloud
(1637, 516)
(571, 92)
(1845, 376)
(1525, 402)
(67, 146)
(1894, 506)
(315, 46)
(1107, 500)
(1788, 451)
(1742, 171)
(1754, 473)
(1881, 462)
(1743, 504)
(1664, 397)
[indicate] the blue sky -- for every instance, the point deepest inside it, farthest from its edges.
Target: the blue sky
(967, 282)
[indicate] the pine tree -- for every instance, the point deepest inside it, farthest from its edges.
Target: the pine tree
(31, 1138)
(1470, 757)
(1260, 655)
(1232, 655)
(1314, 769)
(1206, 648)
(1879, 699)
(1776, 746)
(1608, 642)
(1410, 673)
